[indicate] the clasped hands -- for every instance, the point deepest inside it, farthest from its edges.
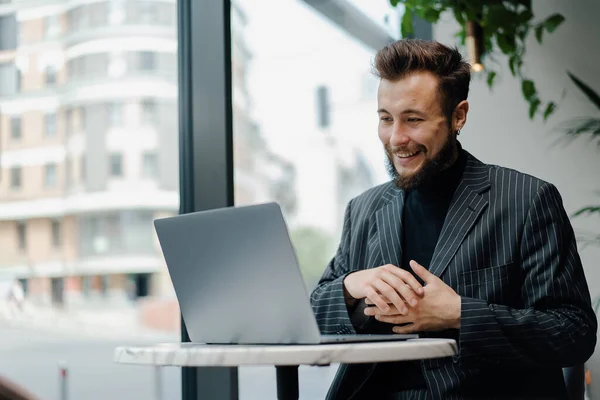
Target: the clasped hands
(396, 297)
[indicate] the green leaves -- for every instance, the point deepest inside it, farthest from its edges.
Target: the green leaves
(553, 22)
(431, 15)
(539, 31)
(550, 107)
(530, 94)
(514, 63)
(406, 27)
(587, 210)
(588, 91)
(549, 24)
(490, 78)
(528, 89)
(534, 104)
(505, 25)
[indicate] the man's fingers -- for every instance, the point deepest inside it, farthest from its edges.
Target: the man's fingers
(395, 319)
(422, 272)
(391, 294)
(407, 278)
(376, 299)
(410, 328)
(402, 288)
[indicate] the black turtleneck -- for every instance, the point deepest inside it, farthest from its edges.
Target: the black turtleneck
(425, 209)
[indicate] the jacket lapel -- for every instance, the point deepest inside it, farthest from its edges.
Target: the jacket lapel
(389, 226)
(465, 208)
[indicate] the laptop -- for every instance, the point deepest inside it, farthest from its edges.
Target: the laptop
(237, 279)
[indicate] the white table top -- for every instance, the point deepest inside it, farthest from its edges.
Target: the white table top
(196, 355)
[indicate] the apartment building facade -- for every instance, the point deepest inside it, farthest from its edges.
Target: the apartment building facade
(89, 146)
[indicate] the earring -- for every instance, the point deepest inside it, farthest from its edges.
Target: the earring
(457, 132)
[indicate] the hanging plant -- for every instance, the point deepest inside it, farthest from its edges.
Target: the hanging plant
(488, 27)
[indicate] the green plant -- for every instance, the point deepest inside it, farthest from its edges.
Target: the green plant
(314, 248)
(585, 126)
(505, 26)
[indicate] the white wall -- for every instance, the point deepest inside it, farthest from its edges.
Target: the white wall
(499, 131)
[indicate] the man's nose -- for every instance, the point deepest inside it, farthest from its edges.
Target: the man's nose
(399, 136)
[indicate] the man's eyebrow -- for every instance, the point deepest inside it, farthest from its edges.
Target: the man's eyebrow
(412, 111)
(407, 111)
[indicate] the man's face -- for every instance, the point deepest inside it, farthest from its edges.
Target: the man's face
(413, 129)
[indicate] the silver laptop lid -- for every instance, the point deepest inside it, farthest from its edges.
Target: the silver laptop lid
(236, 276)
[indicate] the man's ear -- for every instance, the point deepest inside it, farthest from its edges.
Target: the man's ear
(459, 117)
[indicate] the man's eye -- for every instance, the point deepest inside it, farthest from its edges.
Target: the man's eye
(414, 119)
(387, 119)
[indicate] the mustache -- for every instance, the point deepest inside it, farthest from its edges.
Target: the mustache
(405, 149)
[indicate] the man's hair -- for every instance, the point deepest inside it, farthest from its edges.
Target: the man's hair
(403, 57)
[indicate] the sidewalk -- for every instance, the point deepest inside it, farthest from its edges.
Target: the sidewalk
(121, 322)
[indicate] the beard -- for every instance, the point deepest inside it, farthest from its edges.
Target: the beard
(428, 169)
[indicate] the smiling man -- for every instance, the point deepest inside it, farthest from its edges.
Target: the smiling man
(455, 248)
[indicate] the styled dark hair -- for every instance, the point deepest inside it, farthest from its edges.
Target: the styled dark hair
(403, 57)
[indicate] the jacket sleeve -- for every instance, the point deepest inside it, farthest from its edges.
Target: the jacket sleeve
(556, 325)
(327, 299)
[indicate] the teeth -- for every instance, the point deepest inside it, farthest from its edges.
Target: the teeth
(406, 155)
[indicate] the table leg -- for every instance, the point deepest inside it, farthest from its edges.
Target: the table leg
(287, 382)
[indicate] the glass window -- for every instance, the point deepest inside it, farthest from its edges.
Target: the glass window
(116, 14)
(149, 111)
(116, 113)
(305, 136)
(150, 165)
(96, 225)
(50, 124)
(50, 74)
(55, 232)
(8, 84)
(50, 176)
(147, 60)
(148, 12)
(52, 26)
(68, 121)
(116, 165)
(15, 128)
(22, 235)
(15, 177)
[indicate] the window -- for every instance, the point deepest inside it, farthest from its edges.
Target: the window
(22, 235)
(82, 120)
(147, 61)
(15, 128)
(55, 231)
(50, 124)
(52, 26)
(116, 13)
(115, 113)
(8, 81)
(149, 110)
(149, 165)
(15, 177)
(50, 74)
(117, 66)
(116, 165)
(147, 12)
(324, 99)
(68, 122)
(50, 176)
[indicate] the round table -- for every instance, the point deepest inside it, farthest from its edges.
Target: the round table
(286, 358)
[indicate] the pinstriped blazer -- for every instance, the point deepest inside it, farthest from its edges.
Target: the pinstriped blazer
(508, 248)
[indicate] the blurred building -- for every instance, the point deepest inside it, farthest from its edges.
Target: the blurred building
(89, 140)
(260, 174)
